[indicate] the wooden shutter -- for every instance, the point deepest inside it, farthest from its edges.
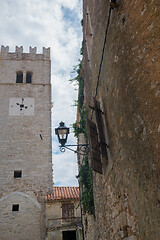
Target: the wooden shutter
(103, 145)
(94, 147)
(67, 210)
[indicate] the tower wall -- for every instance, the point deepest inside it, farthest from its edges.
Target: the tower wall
(25, 145)
(37, 64)
(24, 224)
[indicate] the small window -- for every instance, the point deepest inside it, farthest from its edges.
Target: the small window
(15, 207)
(17, 174)
(67, 210)
(19, 77)
(28, 77)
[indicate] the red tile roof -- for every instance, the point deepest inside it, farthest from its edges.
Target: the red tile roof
(60, 193)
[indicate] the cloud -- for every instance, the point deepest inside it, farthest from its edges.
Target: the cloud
(66, 166)
(55, 24)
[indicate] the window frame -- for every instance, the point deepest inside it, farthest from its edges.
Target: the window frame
(68, 211)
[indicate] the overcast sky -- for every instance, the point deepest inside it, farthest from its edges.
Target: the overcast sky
(54, 24)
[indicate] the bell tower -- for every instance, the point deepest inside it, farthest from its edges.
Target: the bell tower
(25, 144)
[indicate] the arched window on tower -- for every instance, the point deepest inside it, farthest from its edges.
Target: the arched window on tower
(19, 77)
(28, 77)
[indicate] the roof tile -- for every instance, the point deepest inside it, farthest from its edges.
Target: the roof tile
(60, 193)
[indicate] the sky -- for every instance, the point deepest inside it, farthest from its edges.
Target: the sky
(55, 24)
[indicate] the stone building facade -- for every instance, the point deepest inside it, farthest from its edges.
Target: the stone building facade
(63, 214)
(121, 61)
(25, 146)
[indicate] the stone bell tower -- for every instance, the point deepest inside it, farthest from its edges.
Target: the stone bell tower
(25, 144)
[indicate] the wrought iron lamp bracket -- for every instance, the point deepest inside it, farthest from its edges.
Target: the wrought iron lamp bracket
(83, 149)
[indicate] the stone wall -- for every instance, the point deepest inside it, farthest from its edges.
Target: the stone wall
(54, 208)
(19, 225)
(21, 146)
(25, 144)
(37, 64)
(127, 194)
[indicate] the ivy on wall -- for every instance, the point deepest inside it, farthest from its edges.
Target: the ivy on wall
(86, 182)
(85, 173)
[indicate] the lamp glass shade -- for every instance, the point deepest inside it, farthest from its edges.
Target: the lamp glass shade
(62, 132)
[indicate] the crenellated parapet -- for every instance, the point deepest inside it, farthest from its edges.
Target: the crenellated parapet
(19, 55)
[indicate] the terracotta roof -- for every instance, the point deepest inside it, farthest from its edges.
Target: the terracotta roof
(60, 193)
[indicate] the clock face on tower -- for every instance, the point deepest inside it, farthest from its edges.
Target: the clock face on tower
(21, 106)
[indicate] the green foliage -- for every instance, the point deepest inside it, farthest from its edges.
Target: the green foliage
(81, 50)
(81, 93)
(85, 173)
(83, 122)
(81, 127)
(76, 69)
(76, 129)
(82, 22)
(75, 103)
(79, 80)
(86, 223)
(87, 187)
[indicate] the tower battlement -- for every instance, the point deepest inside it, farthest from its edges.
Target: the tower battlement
(19, 55)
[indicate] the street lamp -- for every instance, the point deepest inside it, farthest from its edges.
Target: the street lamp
(62, 133)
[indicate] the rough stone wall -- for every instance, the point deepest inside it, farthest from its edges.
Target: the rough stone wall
(127, 194)
(25, 145)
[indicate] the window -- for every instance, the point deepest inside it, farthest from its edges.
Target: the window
(67, 210)
(17, 174)
(19, 77)
(15, 207)
(28, 77)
